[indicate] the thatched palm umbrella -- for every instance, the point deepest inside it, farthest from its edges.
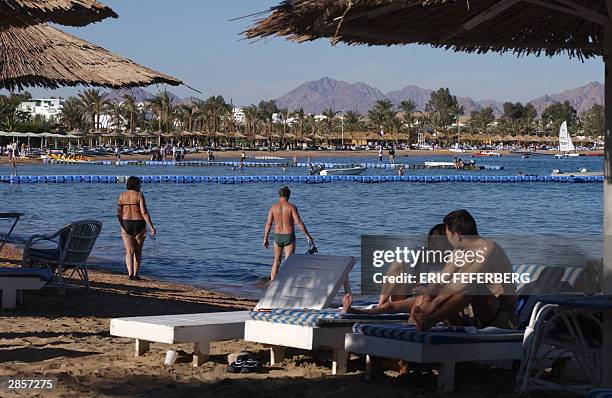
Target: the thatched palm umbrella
(63, 12)
(114, 135)
(44, 56)
(578, 28)
(129, 135)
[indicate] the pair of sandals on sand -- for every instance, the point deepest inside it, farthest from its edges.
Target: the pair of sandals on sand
(244, 364)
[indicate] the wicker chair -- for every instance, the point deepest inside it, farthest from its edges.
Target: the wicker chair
(66, 250)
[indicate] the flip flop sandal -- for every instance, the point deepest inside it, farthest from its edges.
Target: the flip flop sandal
(252, 366)
(236, 367)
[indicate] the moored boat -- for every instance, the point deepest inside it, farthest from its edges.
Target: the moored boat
(487, 153)
(345, 171)
(580, 173)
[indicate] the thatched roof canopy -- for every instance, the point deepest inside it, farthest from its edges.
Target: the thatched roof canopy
(113, 134)
(537, 27)
(63, 12)
(44, 56)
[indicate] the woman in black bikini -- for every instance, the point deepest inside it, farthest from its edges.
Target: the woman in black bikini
(133, 217)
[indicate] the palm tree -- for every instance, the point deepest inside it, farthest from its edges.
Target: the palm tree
(408, 107)
(161, 106)
(94, 103)
(71, 114)
(352, 120)
(300, 115)
(115, 109)
(250, 119)
(381, 113)
(267, 109)
(142, 115)
(284, 112)
(131, 109)
(330, 118)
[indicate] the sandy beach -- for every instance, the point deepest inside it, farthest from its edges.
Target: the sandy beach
(67, 337)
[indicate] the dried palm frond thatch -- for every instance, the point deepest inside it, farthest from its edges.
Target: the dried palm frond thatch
(63, 12)
(522, 27)
(44, 56)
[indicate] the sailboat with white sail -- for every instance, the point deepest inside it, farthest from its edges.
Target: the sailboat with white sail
(566, 147)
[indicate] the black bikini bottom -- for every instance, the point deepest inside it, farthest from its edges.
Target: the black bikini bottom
(133, 227)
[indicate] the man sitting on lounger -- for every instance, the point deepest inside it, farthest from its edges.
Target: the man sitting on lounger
(491, 304)
(284, 216)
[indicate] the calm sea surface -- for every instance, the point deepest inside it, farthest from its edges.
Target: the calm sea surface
(210, 234)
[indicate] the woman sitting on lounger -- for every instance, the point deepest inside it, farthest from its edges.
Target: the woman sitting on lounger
(133, 217)
(436, 240)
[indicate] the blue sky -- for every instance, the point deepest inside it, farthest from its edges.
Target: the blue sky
(195, 41)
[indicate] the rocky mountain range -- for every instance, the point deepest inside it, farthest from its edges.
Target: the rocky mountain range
(314, 96)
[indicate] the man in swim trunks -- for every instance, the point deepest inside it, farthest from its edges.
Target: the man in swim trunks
(284, 216)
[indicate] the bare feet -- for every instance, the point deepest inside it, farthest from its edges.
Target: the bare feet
(347, 300)
(421, 319)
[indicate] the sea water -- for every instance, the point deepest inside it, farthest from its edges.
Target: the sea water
(210, 235)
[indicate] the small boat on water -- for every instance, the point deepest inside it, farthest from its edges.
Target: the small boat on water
(566, 147)
(456, 148)
(439, 164)
(487, 153)
(581, 173)
(345, 171)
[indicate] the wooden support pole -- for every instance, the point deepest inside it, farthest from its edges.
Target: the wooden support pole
(607, 216)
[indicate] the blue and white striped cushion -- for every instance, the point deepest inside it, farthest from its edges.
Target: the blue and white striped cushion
(571, 275)
(309, 317)
(439, 335)
(295, 317)
(600, 393)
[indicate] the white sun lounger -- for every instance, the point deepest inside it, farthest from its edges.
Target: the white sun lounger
(445, 355)
(199, 329)
(286, 291)
(500, 345)
(314, 282)
(14, 280)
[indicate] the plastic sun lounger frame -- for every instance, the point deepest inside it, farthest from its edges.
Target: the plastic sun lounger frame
(295, 283)
(445, 355)
(13, 281)
(202, 329)
(199, 329)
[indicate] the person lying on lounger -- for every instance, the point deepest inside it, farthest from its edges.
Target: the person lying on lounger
(490, 304)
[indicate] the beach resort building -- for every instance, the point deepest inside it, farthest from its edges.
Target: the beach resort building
(48, 108)
(238, 114)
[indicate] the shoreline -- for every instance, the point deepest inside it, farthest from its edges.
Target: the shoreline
(303, 155)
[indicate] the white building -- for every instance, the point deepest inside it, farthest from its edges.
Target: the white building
(49, 108)
(238, 114)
